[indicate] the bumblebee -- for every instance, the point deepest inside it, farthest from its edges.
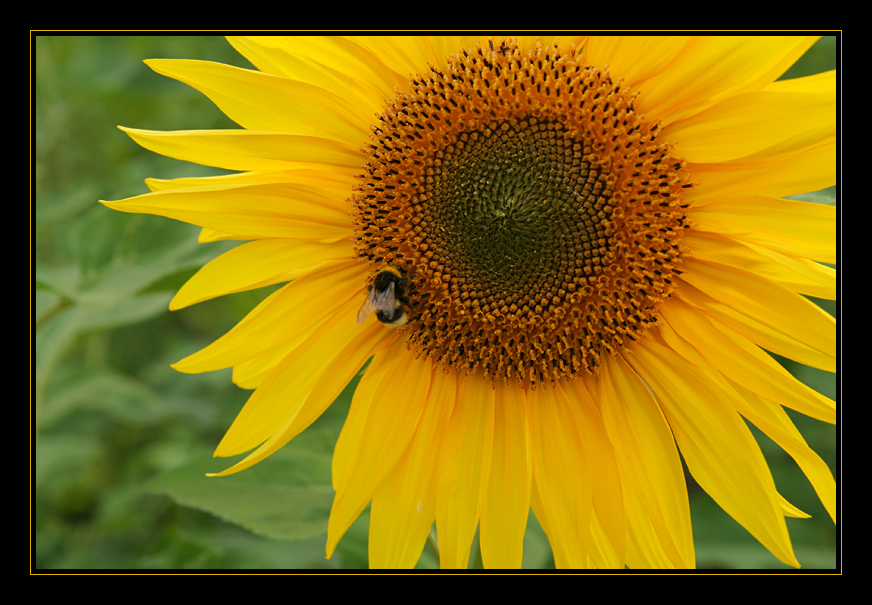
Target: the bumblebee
(387, 297)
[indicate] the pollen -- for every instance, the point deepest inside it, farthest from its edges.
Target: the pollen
(536, 212)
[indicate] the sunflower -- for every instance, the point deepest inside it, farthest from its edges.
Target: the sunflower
(567, 257)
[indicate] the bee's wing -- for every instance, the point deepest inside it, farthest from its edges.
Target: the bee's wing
(367, 307)
(386, 301)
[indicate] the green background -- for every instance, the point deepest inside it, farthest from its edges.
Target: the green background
(121, 441)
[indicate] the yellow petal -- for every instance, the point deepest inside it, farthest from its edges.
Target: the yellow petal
(250, 374)
(562, 473)
(306, 408)
(790, 510)
(259, 101)
(810, 169)
(765, 301)
(291, 313)
(336, 183)
(371, 341)
(249, 150)
(821, 83)
(648, 458)
(764, 414)
(720, 451)
(334, 180)
(504, 517)
(711, 68)
(372, 443)
(634, 58)
(608, 499)
(763, 122)
(795, 274)
(275, 55)
(274, 210)
(465, 465)
(379, 369)
(744, 363)
(542, 518)
(404, 504)
(333, 63)
(758, 333)
(211, 235)
(268, 408)
(801, 229)
(644, 547)
(771, 419)
(798, 274)
(303, 407)
(602, 554)
(409, 55)
(257, 264)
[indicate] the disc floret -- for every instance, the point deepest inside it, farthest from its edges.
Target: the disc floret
(538, 213)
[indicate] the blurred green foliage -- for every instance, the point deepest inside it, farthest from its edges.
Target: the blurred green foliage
(123, 441)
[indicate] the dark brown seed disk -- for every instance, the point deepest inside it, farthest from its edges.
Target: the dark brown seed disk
(537, 212)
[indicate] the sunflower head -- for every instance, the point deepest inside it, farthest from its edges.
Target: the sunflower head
(604, 217)
(539, 212)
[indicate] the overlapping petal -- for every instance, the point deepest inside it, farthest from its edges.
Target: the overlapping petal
(298, 399)
(636, 58)
(291, 379)
(757, 332)
(404, 504)
(649, 462)
(253, 211)
(377, 432)
(790, 173)
(771, 120)
(800, 229)
(720, 451)
(464, 470)
(322, 177)
(709, 69)
(766, 415)
(507, 505)
(249, 149)
(562, 476)
(738, 359)
(796, 274)
(332, 63)
(768, 303)
(408, 55)
(289, 314)
(260, 101)
(608, 526)
(257, 264)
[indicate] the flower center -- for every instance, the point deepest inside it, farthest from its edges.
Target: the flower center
(537, 214)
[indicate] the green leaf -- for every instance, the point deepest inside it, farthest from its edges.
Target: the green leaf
(128, 312)
(286, 497)
(537, 550)
(353, 548)
(726, 555)
(824, 196)
(109, 394)
(46, 301)
(61, 208)
(55, 336)
(63, 280)
(60, 460)
(131, 274)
